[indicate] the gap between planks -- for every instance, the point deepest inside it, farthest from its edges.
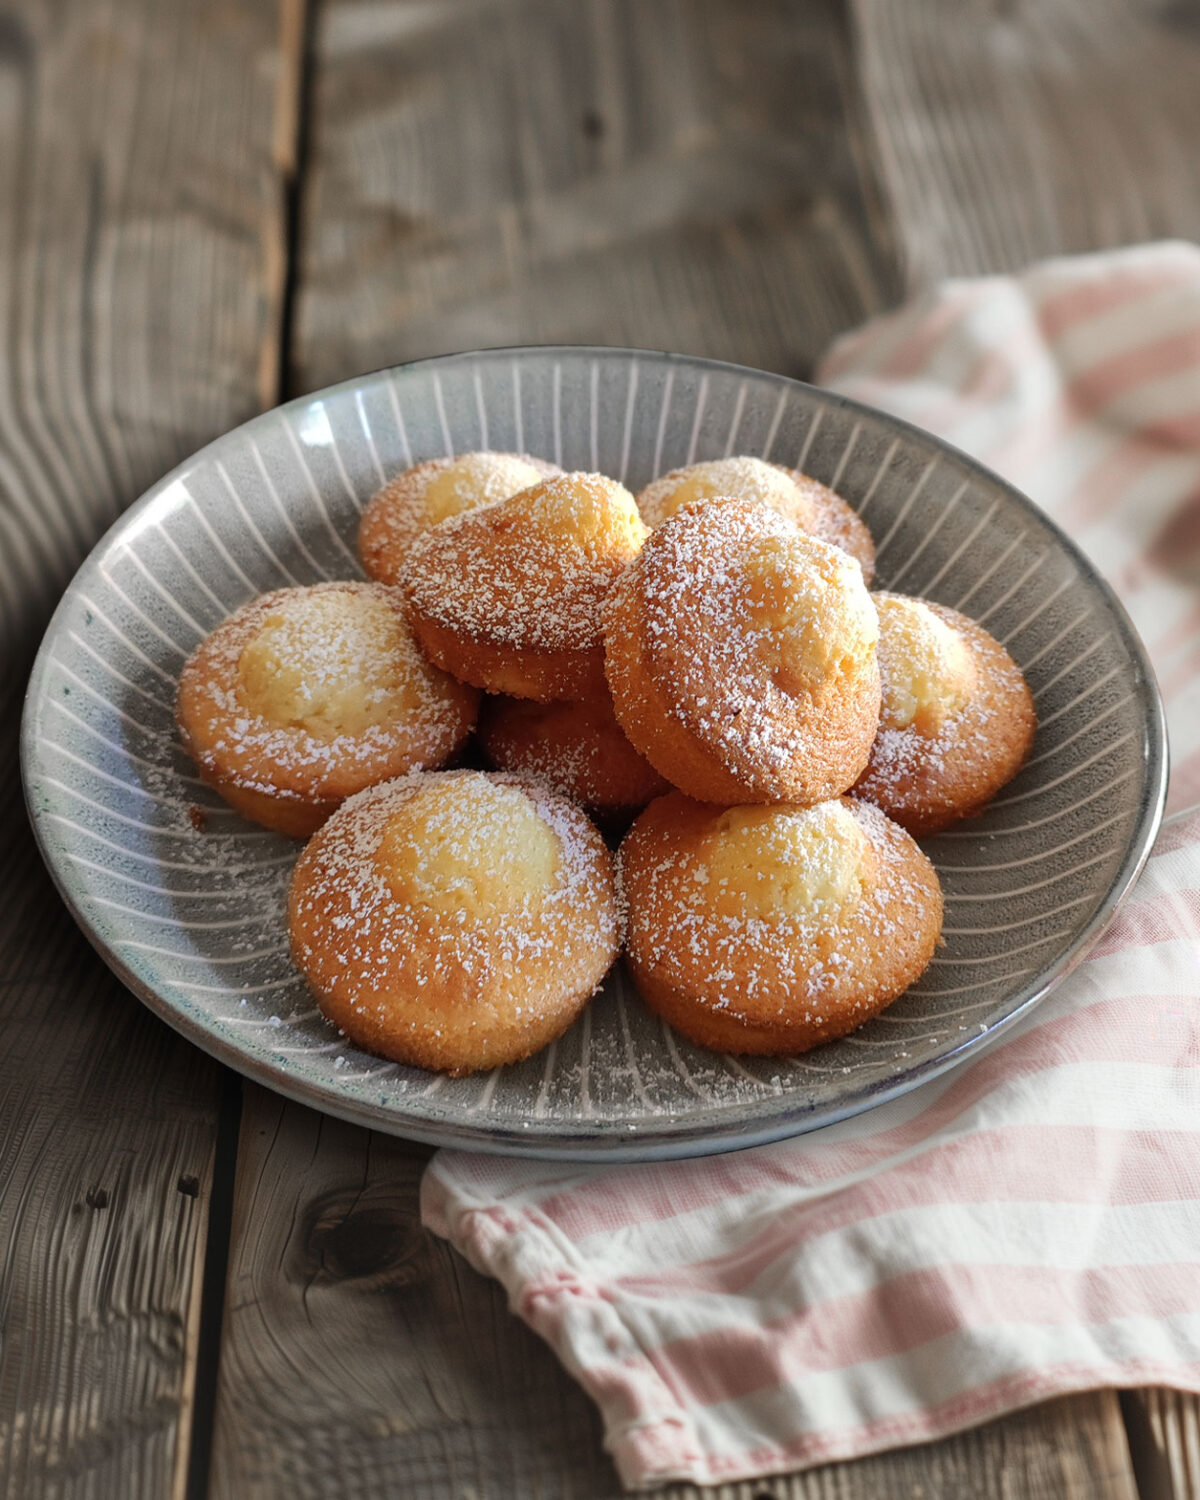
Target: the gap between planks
(136, 306)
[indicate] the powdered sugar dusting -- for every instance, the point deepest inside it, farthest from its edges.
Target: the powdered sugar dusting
(433, 491)
(348, 891)
(302, 686)
(753, 628)
(954, 754)
(739, 478)
(532, 571)
(145, 851)
(578, 747)
(700, 922)
(835, 521)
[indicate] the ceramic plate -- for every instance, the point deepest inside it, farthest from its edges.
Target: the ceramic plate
(186, 901)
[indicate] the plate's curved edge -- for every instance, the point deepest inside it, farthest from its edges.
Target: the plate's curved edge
(614, 1144)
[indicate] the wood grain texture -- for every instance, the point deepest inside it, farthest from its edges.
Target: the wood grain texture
(689, 176)
(1008, 131)
(1071, 1449)
(363, 1358)
(138, 197)
(1164, 1438)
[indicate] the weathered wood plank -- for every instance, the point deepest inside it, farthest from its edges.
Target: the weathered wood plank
(684, 176)
(1164, 1438)
(364, 1358)
(139, 198)
(361, 1356)
(1007, 132)
(1071, 1449)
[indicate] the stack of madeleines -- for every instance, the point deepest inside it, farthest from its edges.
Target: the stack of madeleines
(705, 659)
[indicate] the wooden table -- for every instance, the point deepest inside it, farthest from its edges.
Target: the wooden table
(206, 205)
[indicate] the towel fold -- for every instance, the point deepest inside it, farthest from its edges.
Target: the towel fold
(1029, 1224)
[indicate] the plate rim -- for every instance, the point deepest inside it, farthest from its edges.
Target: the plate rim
(601, 1141)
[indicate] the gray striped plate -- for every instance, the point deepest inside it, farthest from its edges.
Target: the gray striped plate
(185, 900)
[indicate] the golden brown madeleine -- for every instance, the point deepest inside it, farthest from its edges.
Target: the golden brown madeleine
(578, 747)
(308, 695)
(741, 657)
(836, 521)
(432, 492)
(772, 929)
(726, 479)
(509, 597)
(957, 719)
(455, 920)
(812, 506)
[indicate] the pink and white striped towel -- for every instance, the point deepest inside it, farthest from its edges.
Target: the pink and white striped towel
(1030, 1224)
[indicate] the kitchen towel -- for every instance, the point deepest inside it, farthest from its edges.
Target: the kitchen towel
(1029, 1224)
